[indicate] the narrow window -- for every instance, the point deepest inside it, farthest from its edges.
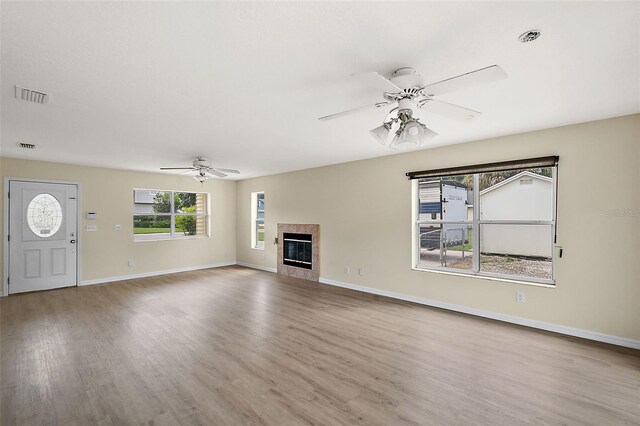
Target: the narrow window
(257, 220)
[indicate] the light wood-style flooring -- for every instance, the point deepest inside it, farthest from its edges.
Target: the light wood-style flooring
(240, 346)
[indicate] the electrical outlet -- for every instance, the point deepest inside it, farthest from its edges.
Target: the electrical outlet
(117, 227)
(347, 270)
(92, 228)
(130, 263)
(361, 272)
(519, 297)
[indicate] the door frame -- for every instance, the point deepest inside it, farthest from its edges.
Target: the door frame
(5, 243)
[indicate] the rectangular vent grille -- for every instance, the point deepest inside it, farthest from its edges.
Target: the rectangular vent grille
(26, 145)
(30, 95)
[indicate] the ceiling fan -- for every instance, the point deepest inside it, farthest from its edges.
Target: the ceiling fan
(406, 92)
(204, 168)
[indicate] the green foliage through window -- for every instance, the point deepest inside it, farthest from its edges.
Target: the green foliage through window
(154, 212)
(187, 224)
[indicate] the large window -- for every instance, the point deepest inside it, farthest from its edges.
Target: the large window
(257, 220)
(493, 220)
(160, 215)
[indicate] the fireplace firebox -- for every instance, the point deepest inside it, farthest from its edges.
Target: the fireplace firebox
(297, 250)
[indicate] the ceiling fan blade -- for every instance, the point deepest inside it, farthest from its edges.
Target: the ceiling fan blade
(449, 110)
(177, 168)
(473, 78)
(375, 80)
(217, 173)
(227, 170)
(351, 111)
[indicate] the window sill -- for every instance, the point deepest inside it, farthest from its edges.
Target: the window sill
(150, 240)
(490, 278)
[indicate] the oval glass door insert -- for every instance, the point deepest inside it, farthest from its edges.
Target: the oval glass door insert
(44, 215)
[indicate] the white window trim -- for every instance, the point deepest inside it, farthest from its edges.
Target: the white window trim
(173, 215)
(476, 222)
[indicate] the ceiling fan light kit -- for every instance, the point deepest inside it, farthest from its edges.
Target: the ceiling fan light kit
(406, 88)
(201, 177)
(381, 133)
(411, 133)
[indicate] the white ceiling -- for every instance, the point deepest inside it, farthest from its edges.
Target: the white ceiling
(145, 85)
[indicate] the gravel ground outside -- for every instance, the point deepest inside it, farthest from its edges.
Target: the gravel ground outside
(496, 264)
(516, 266)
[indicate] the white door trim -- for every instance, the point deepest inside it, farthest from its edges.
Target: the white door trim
(5, 243)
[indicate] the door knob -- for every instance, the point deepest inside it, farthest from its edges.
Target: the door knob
(72, 241)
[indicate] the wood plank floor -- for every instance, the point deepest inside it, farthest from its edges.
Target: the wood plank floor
(239, 346)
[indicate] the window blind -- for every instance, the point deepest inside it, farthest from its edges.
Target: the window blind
(528, 163)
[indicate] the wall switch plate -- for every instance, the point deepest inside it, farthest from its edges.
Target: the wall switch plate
(361, 272)
(347, 270)
(130, 263)
(92, 228)
(117, 227)
(519, 297)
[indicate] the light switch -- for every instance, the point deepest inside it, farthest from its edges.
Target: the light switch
(92, 228)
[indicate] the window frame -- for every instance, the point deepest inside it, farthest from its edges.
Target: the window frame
(173, 214)
(256, 244)
(475, 224)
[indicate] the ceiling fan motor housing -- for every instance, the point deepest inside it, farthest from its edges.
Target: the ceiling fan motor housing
(201, 162)
(407, 78)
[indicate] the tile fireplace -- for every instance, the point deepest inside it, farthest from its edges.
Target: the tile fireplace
(298, 250)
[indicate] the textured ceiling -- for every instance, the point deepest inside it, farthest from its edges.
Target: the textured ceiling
(145, 85)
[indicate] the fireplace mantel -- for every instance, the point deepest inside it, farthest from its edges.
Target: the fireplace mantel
(312, 274)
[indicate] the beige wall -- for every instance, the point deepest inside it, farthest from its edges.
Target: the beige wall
(364, 212)
(364, 209)
(109, 192)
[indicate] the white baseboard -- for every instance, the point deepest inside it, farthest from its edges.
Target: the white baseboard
(153, 274)
(262, 268)
(570, 331)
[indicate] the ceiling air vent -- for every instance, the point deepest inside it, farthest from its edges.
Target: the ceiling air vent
(528, 36)
(26, 145)
(31, 95)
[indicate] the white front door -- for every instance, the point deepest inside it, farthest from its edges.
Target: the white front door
(43, 230)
